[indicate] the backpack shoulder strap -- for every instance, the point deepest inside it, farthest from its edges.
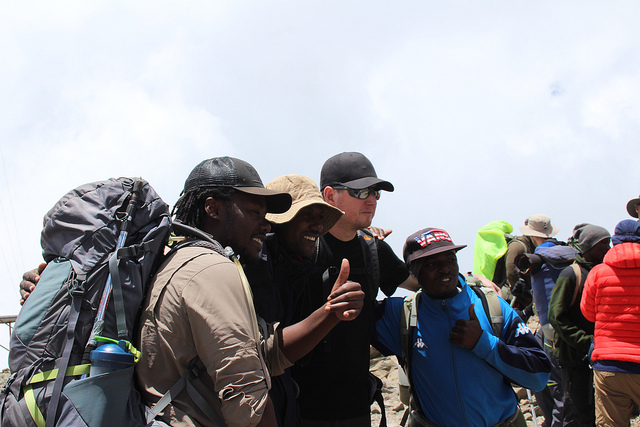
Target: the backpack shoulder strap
(514, 239)
(491, 306)
(371, 258)
(578, 272)
(196, 368)
(408, 322)
(523, 245)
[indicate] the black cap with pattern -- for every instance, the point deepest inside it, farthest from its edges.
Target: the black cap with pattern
(238, 174)
(427, 242)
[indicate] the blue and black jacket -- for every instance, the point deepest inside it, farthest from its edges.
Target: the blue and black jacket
(455, 386)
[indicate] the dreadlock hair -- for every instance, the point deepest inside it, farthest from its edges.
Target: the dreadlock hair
(189, 209)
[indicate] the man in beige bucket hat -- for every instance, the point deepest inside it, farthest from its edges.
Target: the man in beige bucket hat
(281, 275)
(536, 229)
(308, 218)
(538, 225)
(539, 229)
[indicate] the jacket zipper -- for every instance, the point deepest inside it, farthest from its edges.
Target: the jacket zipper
(455, 368)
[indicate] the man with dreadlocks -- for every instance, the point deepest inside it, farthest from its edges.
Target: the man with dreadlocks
(200, 313)
(199, 305)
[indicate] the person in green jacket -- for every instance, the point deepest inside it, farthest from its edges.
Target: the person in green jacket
(574, 333)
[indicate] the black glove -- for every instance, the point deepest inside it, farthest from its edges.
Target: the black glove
(525, 313)
(522, 291)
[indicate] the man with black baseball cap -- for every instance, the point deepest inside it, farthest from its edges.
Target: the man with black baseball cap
(201, 300)
(200, 306)
(334, 380)
(460, 369)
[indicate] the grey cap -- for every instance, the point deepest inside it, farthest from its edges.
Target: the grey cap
(589, 235)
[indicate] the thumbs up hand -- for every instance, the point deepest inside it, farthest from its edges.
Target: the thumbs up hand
(346, 298)
(466, 333)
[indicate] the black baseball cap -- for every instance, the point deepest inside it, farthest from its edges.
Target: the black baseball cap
(427, 242)
(351, 170)
(238, 174)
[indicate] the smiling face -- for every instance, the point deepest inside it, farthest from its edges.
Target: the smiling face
(438, 275)
(301, 233)
(244, 224)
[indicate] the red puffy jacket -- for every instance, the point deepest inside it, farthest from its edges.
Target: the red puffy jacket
(611, 299)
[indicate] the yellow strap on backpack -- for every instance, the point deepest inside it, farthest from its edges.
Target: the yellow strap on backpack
(30, 398)
(254, 317)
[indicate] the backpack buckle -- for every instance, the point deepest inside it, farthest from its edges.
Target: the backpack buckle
(75, 286)
(196, 367)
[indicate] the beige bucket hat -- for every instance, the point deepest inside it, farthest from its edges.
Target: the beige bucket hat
(631, 207)
(538, 225)
(304, 192)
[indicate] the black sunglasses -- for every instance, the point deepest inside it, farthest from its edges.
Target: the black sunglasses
(361, 193)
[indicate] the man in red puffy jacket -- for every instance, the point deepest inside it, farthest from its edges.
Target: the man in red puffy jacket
(611, 299)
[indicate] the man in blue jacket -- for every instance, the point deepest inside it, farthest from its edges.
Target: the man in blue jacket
(461, 373)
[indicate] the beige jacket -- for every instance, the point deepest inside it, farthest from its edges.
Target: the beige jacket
(197, 306)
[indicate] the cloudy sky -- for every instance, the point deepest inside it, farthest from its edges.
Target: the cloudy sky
(475, 111)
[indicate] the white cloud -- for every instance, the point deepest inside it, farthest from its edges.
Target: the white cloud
(614, 108)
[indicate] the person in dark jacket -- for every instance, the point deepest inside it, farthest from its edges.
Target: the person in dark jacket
(281, 274)
(574, 333)
(334, 379)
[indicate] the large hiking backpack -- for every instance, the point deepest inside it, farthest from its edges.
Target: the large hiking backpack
(104, 234)
(545, 266)
(490, 249)
(409, 321)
